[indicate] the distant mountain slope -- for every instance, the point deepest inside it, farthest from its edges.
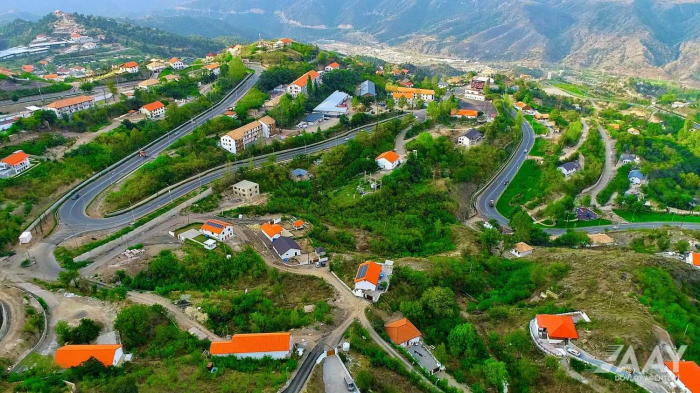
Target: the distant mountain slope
(650, 37)
(146, 39)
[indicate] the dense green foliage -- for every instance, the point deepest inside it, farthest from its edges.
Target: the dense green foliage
(85, 333)
(673, 306)
(202, 271)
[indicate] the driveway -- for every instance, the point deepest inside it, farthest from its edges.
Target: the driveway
(609, 170)
(334, 373)
(571, 151)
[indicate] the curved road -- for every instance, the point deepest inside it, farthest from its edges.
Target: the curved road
(495, 189)
(72, 212)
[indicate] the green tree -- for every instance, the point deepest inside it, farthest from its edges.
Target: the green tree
(14, 97)
(390, 104)
(496, 373)
(87, 87)
(69, 277)
(112, 88)
(137, 324)
(681, 246)
(490, 238)
(439, 302)
(462, 338)
(403, 102)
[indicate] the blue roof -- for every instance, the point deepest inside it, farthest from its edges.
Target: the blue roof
(367, 87)
(299, 172)
(636, 173)
(334, 103)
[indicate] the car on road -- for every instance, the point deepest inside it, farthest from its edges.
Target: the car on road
(616, 227)
(573, 352)
(350, 384)
(505, 182)
(75, 197)
(492, 203)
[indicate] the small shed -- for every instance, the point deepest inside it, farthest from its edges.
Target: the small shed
(25, 237)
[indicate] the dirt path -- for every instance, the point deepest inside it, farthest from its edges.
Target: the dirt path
(81, 138)
(609, 170)
(14, 342)
(568, 152)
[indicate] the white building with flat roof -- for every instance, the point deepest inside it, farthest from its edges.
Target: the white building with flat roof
(335, 105)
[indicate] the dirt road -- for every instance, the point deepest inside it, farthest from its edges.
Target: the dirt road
(181, 318)
(14, 342)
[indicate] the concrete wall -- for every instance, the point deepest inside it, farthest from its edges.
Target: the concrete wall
(142, 229)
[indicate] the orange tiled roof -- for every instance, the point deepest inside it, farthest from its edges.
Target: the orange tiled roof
(70, 101)
(558, 326)
(695, 258)
(73, 355)
(254, 342)
(130, 64)
(173, 60)
(523, 247)
(15, 158)
(51, 76)
(286, 40)
(334, 65)
(370, 274)
(402, 94)
(271, 229)
(215, 226)
(6, 72)
(465, 112)
(28, 68)
(688, 373)
(212, 66)
(389, 156)
(304, 79)
(153, 106)
(298, 223)
(401, 331)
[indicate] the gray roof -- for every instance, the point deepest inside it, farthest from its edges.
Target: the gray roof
(472, 134)
(283, 244)
(570, 166)
(636, 173)
(628, 156)
(367, 87)
(334, 103)
(299, 172)
(313, 117)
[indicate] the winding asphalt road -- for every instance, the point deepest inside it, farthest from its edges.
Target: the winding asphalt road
(72, 212)
(495, 189)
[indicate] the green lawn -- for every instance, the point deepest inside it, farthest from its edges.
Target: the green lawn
(194, 225)
(574, 89)
(536, 126)
(631, 216)
(541, 148)
(524, 188)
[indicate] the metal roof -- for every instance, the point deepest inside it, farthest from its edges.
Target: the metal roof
(636, 173)
(472, 134)
(283, 244)
(367, 87)
(333, 103)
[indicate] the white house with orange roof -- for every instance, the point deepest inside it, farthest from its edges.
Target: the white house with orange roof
(130, 67)
(176, 63)
(300, 84)
(14, 164)
(255, 345)
(282, 42)
(219, 230)
(521, 249)
(555, 328)
(403, 333)
(212, 68)
(271, 231)
(693, 259)
(153, 110)
(68, 106)
(234, 50)
(74, 355)
(367, 277)
(388, 160)
(332, 66)
(685, 375)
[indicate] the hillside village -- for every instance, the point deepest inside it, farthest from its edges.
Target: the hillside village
(271, 216)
